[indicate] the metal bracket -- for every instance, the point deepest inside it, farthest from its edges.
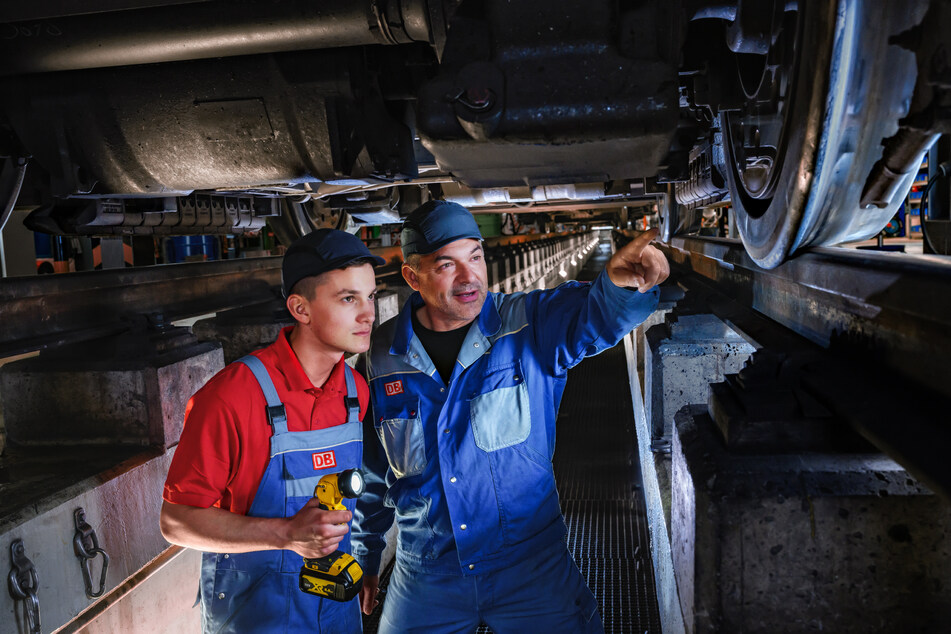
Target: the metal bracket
(23, 584)
(86, 545)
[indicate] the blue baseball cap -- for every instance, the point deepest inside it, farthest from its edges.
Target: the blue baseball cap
(321, 251)
(435, 224)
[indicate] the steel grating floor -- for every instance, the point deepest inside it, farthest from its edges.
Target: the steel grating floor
(599, 486)
(598, 483)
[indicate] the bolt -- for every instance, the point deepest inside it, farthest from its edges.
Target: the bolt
(477, 98)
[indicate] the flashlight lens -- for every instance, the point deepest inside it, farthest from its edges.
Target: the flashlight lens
(352, 484)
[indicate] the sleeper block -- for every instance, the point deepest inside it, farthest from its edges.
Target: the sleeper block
(684, 357)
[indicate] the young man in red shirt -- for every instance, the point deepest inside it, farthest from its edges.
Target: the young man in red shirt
(261, 433)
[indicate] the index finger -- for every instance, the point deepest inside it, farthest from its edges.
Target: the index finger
(635, 246)
(337, 517)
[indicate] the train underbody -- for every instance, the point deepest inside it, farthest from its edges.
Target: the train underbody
(175, 118)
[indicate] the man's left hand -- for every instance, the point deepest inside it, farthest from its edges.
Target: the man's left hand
(369, 593)
(639, 264)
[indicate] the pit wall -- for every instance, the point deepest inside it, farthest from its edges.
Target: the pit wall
(777, 522)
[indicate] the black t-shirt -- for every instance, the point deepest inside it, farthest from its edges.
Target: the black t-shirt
(442, 347)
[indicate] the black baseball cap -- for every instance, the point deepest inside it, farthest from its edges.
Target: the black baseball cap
(435, 224)
(321, 251)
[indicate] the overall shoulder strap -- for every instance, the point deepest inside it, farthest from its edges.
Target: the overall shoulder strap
(352, 401)
(276, 414)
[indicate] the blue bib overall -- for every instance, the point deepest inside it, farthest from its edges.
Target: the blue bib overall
(258, 591)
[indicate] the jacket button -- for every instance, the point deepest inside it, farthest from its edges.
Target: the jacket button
(412, 413)
(227, 556)
(517, 378)
(442, 389)
(463, 526)
(445, 431)
(221, 595)
(476, 344)
(471, 566)
(452, 479)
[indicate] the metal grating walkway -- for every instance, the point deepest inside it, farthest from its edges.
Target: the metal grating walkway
(599, 487)
(598, 482)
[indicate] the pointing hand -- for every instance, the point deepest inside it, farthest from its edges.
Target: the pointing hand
(639, 264)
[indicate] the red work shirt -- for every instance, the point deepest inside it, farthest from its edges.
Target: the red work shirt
(225, 444)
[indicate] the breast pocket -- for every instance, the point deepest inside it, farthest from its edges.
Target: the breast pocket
(501, 415)
(401, 432)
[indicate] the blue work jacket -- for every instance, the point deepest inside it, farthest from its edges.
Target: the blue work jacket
(466, 465)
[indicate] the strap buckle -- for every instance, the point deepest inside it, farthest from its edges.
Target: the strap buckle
(276, 413)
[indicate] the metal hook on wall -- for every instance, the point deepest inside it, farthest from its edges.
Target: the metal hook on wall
(86, 545)
(23, 584)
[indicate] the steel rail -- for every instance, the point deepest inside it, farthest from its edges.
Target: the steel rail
(878, 327)
(897, 307)
(43, 312)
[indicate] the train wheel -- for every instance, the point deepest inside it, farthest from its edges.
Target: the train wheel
(817, 106)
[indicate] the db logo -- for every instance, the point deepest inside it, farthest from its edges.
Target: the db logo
(324, 460)
(396, 387)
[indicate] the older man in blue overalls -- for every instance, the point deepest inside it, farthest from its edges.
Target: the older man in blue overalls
(260, 435)
(465, 388)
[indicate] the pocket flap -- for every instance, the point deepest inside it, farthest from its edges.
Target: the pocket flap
(404, 408)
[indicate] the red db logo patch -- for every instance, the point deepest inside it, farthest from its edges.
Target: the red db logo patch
(324, 460)
(395, 387)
